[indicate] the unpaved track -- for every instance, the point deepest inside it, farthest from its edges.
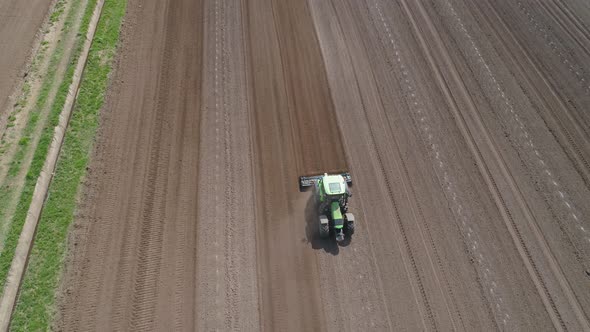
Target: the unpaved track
(461, 122)
(19, 24)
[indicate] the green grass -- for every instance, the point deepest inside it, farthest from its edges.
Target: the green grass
(13, 229)
(57, 11)
(48, 84)
(35, 307)
(7, 192)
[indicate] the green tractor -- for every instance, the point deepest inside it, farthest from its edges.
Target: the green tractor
(332, 193)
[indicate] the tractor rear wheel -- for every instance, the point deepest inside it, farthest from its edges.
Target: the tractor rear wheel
(349, 223)
(324, 227)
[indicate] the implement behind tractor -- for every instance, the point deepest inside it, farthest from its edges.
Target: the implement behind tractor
(308, 181)
(332, 193)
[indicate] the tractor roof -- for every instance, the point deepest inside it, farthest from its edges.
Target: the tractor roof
(334, 184)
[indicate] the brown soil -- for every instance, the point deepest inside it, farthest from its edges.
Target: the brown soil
(19, 26)
(135, 264)
(463, 127)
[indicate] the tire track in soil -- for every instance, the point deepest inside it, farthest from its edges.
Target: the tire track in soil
(421, 120)
(413, 103)
(580, 27)
(226, 275)
(418, 261)
(530, 147)
(411, 255)
(367, 308)
(578, 153)
(232, 286)
(296, 133)
(565, 210)
(537, 277)
(580, 163)
(149, 251)
(426, 251)
(148, 247)
(209, 206)
(567, 24)
(570, 235)
(86, 269)
(562, 71)
(410, 98)
(407, 248)
(566, 55)
(548, 72)
(144, 173)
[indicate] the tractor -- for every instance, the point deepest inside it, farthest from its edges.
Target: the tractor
(332, 193)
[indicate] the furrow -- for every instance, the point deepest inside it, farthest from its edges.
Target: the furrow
(486, 172)
(568, 23)
(562, 135)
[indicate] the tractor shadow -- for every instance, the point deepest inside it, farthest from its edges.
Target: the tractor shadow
(329, 245)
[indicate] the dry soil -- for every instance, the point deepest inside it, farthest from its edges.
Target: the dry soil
(464, 126)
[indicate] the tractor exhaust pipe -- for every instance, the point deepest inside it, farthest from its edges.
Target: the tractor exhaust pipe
(340, 236)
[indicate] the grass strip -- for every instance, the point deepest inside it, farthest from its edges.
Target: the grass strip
(35, 306)
(40, 153)
(45, 89)
(7, 191)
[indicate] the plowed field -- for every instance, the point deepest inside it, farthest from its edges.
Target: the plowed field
(463, 123)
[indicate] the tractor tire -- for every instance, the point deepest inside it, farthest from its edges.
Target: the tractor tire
(349, 223)
(324, 227)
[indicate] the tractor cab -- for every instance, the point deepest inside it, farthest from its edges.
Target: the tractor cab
(332, 187)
